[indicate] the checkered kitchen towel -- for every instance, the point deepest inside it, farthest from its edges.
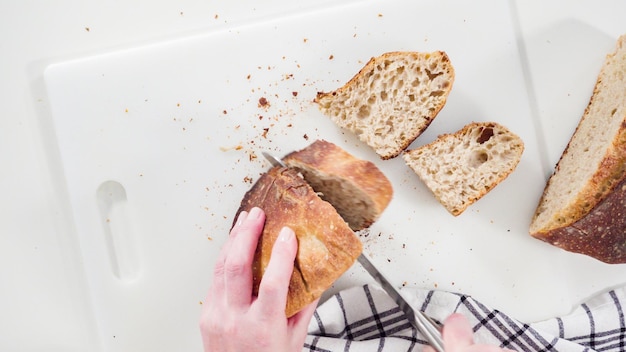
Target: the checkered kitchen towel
(366, 319)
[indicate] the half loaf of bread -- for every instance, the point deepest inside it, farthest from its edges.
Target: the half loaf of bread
(460, 168)
(327, 246)
(583, 206)
(392, 99)
(355, 187)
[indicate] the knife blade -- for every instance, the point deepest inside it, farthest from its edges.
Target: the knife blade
(421, 322)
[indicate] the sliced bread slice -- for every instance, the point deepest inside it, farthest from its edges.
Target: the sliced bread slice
(583, 206)
(392, 99)
(462, 167)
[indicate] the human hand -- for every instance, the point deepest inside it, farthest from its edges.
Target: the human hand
(232, 319)
(458, 337)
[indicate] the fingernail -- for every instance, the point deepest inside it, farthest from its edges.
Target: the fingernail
(242, 217)
(286, 234)
(255, 213)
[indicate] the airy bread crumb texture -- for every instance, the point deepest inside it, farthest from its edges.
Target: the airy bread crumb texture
(595, 158)
(461, 168)
(392, 100)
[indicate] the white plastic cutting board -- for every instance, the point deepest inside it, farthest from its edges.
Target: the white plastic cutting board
(160, 142)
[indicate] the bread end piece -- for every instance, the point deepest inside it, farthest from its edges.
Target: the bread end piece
(355, 187)
(326, 249)
(460, 168)
(392, 99)
(582, 206)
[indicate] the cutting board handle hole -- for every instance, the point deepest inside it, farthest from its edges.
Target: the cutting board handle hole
(119, 235)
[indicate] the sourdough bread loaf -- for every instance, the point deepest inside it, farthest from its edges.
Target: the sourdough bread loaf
(392, 99)
(462, 167)
(327, 245)
(582, 208)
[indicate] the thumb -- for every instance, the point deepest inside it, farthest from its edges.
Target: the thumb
(457, 332)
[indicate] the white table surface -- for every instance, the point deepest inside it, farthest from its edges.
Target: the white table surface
(43, 304)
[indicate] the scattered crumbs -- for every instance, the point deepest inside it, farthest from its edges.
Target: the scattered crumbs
(380, 15)
(200, 302)
(181, 13)
(508, 230)
(126, 110)
(252, 156)
(224, 112)
(260, 117)
(87, 29)
(290, 125)
(306, 137)
(436, 285)
(388, 260)
(108, 220)
(248, 76)
(331, 57)
(239, 147)
(263, 102)
(305, 40)
(295, 94)
(199, 101)
(247, 179)
(178, 104)
(216, 16)
(391, 237)
(403, 245)
(265, 130)
(140, 175)
(404, 283)
(452, 283)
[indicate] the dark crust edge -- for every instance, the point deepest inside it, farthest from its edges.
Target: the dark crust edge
(601, 234)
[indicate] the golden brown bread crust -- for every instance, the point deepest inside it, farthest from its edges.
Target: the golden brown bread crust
(361, 181)
(326, 249)
(611, 171)
(600, 234)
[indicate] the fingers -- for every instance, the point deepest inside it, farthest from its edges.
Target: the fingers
(300, 321)
(275, 283)
(218, 287)
(457, 333)
(238, 263)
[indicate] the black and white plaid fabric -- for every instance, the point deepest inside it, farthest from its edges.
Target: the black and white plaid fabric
(366, 319)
